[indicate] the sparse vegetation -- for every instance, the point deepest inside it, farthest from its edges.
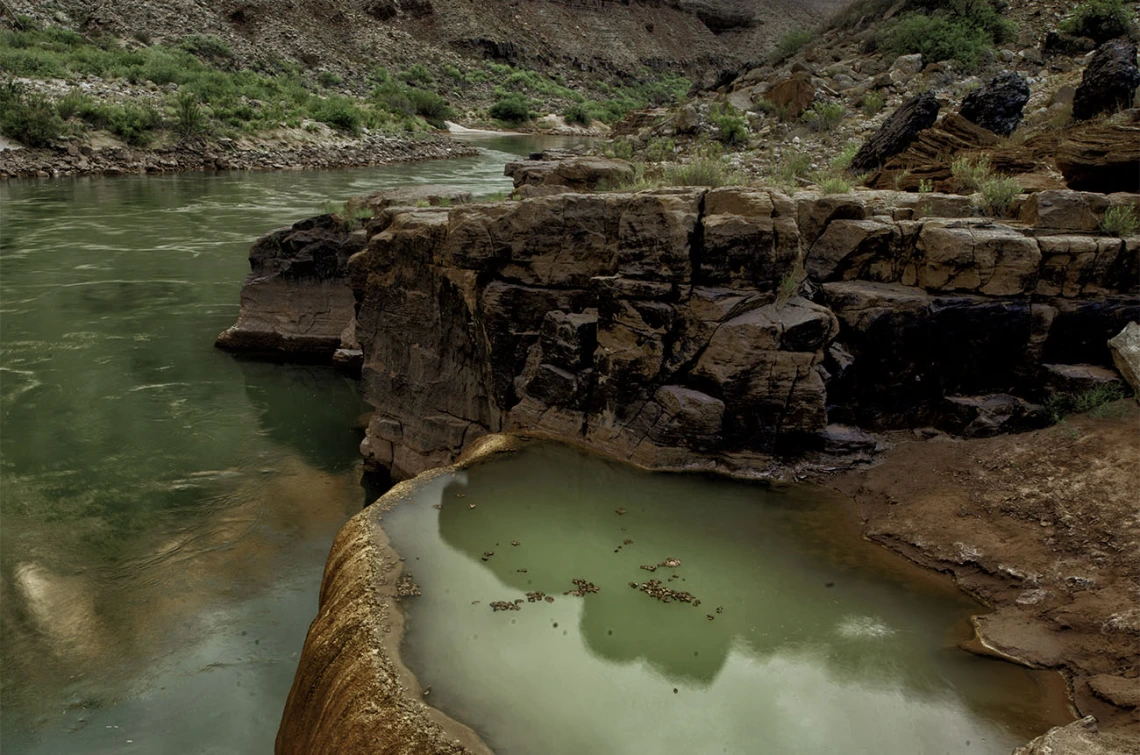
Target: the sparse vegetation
(577, 114)
(780, 112)
(659, 149)
(824, 116)
(1100, 20)
(790, 44)
(1093, 400)
(969, 173)
(996, 195)
(707, 169)
(189, 121)
(1122, 220)
(959, 30)
(872, 104)
(789, 172)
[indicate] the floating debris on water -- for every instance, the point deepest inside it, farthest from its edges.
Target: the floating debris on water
(581, 588)
(505, 605)
(649, 567)
(521, 571)
(654, 589)
(720, 609)
(487, 554)
(536, 596)
(549, 598)
(470, 505)
(709, 616)
(514, 542)
(406, 588)
(427, 690)
(474, 602)
(671, 562)
(619, 511)
(437, 505)
(627, 541)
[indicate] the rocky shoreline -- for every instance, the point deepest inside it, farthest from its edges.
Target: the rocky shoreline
(86, 160)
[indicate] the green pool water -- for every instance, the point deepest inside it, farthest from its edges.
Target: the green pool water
(807, 639)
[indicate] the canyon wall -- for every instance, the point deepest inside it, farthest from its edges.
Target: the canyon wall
(729, 328)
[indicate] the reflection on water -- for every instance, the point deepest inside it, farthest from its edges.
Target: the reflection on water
(818, 642)
(166, 509)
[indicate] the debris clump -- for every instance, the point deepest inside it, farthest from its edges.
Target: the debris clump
(406, 588)
(654, 589)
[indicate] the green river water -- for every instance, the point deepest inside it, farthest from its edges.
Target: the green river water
(166, 510)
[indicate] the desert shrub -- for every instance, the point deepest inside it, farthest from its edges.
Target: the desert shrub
(453, 73)
(189, 121)
(842, 161)
(134, 124)
(69, 105)
(577, 113)
(29, 118)
(430, 106)
(1091, 400)
(970, 173)
(329, 79)
(790, 44)
(512, 109)
(730, 124)
(835, 184)
(339, 112)
(872, 104)
(659, 149)
(961, 30)
(418, 74)
(1121, 221)
(704, 170)
(996, 195)
(208, 47)
(1101, 20)
(824, 116)
(780, 112)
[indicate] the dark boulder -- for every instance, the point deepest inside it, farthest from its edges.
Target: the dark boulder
(987, 416)
(1060, 43)
(1109, 82)
(897, 133)
(998, 105)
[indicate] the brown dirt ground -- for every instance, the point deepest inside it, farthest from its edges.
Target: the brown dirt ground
(1045, 528)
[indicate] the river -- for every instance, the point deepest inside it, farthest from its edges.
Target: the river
(165, 509)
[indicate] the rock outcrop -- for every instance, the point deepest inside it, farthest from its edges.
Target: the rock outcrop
(896, 133)
(1101, 158)
(1125, 347)
(1109, 82)
(665, 327)
(998, 105)
(296, 303)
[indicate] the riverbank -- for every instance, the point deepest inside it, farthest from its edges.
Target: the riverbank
(278, 152)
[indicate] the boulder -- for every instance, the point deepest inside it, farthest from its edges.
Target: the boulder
(577, 173)
(1101, 158)
(794, 94)
(995, 260)
(688, 121)
(412, 196)
(1081, 737)
(896, 133)
(1064, 210)
(909, 65)
(998, 105)
(986, 416)
(842, 440)
(1125, 349)
(1060, 43)
(296, 303)
(1060, 379)
(1109, 82)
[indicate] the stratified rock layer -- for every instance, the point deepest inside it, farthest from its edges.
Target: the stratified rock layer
(668, 327)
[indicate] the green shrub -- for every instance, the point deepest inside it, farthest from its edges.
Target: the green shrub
(659, 149)
(834, 184)
(418, 74)
(790, 44)
(577, 113)
(1101, 20)
(704, 170)
(731, 127)
(189, 121)
(339, 112)
(454, 74)
(208, 47)
(970, 173)
(872, 104)
(824, 116)
(1091, 400)
(70, 104)
(996, 195)
(512, 109)
(619, 148)
(329, 79)
(1121, 221)
(134, 124)
(430, 106)
(33, 63)
(962, 30)
(842, 161)
(28, 118)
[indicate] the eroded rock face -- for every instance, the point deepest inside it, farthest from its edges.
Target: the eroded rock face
(295, 304)
(665, 327)
(1125, 347)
